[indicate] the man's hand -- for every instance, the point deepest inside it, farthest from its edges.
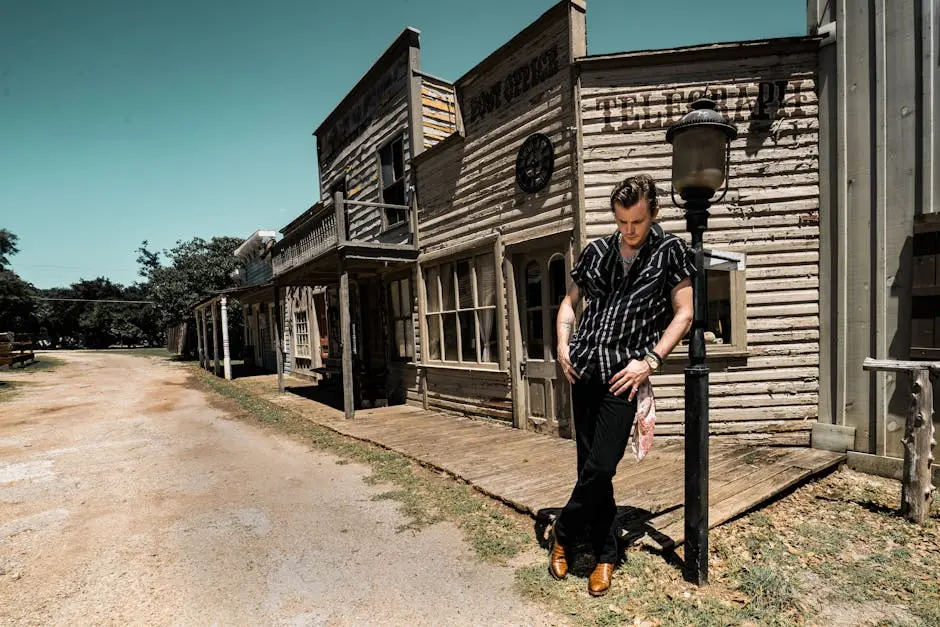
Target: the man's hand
(630, 378)
(564, 358)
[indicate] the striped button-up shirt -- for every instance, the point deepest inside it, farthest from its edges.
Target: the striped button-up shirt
(626, 313)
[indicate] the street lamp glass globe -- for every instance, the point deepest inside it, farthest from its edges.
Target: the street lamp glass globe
(698, 158)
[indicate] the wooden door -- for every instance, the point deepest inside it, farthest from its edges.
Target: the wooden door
(542, 282)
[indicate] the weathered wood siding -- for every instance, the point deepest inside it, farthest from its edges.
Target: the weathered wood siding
(467, 188)
(467, 191)
(438, 110)
(770, 213)
(482, 393)
(349, 148)
(258, 270)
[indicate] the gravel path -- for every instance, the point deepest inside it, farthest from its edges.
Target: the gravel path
(126, 498)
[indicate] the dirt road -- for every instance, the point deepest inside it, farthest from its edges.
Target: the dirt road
(126, 498)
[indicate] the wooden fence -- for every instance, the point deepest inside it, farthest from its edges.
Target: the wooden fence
(176, 338)
(16, 348)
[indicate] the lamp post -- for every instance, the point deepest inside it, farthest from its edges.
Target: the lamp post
(701, 143)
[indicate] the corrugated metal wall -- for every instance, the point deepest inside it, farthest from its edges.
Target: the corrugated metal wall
(878, 162)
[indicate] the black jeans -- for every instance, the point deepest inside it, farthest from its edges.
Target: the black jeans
(603, 422)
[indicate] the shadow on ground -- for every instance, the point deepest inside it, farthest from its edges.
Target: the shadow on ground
(633, 523)
(324, 395)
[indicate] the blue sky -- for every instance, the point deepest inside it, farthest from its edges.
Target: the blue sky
(126, 120)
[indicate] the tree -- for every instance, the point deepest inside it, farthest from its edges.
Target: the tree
(7, 247)
(17, 297)
(83, 322)
(17, 303)
(144, 318)
(195, 269)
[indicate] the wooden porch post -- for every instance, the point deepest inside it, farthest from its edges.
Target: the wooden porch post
(916, 485)
(205, 338)
(226, 356)
(345, 324)
(215, 340)
(515, 347)
(278, 339)
(245, 343)
(316, 360)
(422, 293)
(498, 255)
(197, 314)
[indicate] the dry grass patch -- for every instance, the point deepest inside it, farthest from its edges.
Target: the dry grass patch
(833, 552)
(10, 388)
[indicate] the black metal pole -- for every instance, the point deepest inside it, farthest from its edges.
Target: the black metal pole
(696, 402)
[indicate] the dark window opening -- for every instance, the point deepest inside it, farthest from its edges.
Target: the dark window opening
(392, 175)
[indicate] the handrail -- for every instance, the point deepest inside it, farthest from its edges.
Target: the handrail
(379, 205)
(323, 229)
(317, 238)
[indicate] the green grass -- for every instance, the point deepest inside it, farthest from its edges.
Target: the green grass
(42, 363)
(424, 497)
(8, 390)
(154, 351)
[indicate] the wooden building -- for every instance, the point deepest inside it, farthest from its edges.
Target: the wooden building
(272, 320)
(507, 203)
(256, 299)
(879, 110)
(357, 245)
(451, 214)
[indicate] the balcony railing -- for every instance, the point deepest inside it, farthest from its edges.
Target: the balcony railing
(318, 235)
(327, 229)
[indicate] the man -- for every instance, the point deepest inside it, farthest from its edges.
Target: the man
(629, 279)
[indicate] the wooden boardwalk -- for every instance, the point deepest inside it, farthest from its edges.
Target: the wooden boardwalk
(535, 473)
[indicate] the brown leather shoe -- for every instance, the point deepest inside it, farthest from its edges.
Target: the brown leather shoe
(599, 582)
(557, 562)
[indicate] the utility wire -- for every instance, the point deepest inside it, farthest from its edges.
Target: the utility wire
(95, 300)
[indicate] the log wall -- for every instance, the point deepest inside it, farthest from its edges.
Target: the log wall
(771, 213)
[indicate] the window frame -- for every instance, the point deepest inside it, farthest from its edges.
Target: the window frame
(298, 345)
(437, 317)
(738, 301)
(387, 223)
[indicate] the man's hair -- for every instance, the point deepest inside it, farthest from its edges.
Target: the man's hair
(631, 190)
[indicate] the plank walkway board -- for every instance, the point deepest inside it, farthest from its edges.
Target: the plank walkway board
(535, 473)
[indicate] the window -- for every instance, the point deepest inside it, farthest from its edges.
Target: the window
(726, 331)
(541, 335)
(392, 180)
(402, 331)
(301, 335)
(461, 314)
(533, 311)
(557, 290)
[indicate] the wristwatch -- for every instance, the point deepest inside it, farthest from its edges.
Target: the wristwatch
(652, 361)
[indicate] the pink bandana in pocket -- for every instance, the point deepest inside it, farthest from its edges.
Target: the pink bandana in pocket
(641, 438)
